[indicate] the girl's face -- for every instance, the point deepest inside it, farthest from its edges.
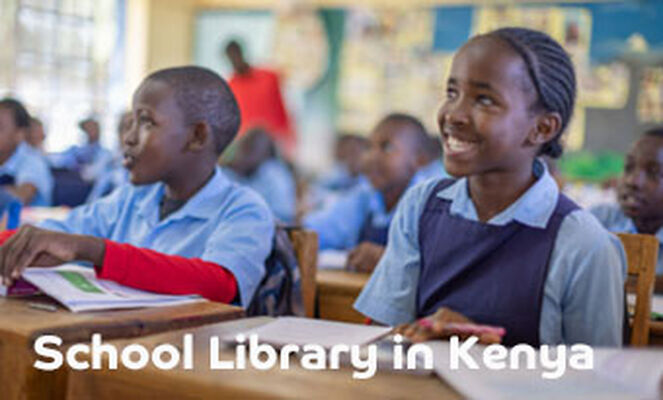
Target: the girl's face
(486, 118)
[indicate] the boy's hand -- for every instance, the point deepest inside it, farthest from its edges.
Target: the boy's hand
(364, 257)
(443, 324)
(32, 246)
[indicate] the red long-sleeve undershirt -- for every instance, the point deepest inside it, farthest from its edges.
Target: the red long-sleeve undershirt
(162, 273)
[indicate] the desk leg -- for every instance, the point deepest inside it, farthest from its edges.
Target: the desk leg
(21, 381)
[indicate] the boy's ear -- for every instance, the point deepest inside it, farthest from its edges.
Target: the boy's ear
(547, 126)
(200, 135)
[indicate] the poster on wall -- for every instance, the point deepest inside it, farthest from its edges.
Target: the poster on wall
(650, 96)
(388, 64)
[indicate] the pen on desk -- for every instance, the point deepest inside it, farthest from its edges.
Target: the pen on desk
(43, 306)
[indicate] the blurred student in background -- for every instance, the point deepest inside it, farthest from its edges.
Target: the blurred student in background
(433, 165)
(23, 171)
(116, 175)
(346, 171)
(359, 220)
(90, 159)
(35, 136)
(639, 195)
(256, 164)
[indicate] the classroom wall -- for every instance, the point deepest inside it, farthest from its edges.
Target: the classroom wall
(160, 34)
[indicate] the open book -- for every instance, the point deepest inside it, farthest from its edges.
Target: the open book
(78, 289)
(616, 374)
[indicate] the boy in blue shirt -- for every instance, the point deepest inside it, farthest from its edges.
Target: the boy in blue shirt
(23, 171)
(181, 227)
(359, 219)
(256, 165)
(640, 195)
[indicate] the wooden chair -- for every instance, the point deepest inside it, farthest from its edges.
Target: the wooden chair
(305, 244)
(641, 258)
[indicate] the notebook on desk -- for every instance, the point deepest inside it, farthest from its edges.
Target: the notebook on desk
(78, 289)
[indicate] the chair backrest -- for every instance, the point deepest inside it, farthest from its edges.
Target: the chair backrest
(641, 257)
(305, 244)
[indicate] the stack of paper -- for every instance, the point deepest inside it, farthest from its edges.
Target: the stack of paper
(78, 289)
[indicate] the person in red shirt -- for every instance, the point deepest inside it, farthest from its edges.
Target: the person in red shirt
(258, 94)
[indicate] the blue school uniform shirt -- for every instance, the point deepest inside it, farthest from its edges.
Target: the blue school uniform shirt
(583, 300)
(222, 223)
(28, 165)
(340, 223)
(614, 220)
(275, 183)
(339, 178)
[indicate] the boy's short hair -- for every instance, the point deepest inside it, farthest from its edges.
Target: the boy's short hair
(203, 96)
(21, 115)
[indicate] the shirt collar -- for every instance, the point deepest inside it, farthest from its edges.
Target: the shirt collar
(201, 205)
(533, 208)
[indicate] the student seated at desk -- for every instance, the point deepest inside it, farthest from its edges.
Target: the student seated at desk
(256, 165)
(640, 195)
(184, 227)
(23, 171)
(116, 175)
(90, 159)
(35, 135)
(359, 219)
(499, 244)
(345, 174)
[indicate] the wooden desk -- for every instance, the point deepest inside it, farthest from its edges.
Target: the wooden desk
(20, 325)
(337, 291)
(656, 333)
(203, 383)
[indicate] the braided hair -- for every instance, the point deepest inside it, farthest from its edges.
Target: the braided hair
(550, 70)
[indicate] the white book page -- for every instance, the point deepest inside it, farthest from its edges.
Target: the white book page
(609, 379)
(78, 289)
(332, 259)
(302, 331)
(657, 303)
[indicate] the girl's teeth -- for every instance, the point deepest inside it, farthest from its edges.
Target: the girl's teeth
(458, 145)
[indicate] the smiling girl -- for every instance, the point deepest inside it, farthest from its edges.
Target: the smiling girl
(499, 244)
